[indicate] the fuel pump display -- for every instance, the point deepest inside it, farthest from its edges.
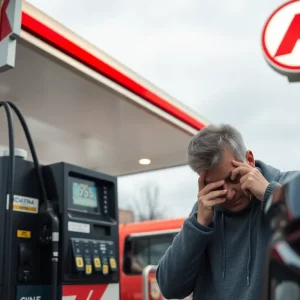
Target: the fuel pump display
(85, 195)
(58, 229)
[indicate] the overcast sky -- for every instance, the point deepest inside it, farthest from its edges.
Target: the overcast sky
(207, 54)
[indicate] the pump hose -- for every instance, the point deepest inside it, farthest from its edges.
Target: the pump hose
(6, 265)
(50, 211)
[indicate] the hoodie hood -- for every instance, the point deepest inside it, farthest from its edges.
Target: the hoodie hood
(269, 172)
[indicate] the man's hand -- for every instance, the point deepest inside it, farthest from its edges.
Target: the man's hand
(252, 181)
(208, 197)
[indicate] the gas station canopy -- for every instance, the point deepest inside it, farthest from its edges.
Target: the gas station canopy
(85, 108)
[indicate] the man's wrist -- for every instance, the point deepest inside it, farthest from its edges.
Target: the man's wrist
(203, 221)
(204, 228)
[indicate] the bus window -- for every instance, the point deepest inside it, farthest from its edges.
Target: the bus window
(158, 247)
(136, 255)
(142, 251)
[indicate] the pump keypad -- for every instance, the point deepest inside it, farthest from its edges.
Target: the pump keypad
(104, 256)
(94, 256)
(78, 254)
(97, 264)
(88, 269)
(105, 269)
(79, 263)
(112, 263)
(112, 260)
(87, 254)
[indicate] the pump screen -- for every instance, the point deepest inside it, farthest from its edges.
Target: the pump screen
(85, 195)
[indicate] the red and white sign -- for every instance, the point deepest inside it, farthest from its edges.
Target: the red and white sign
(281, 40)
(5, 27)
(10, 26)
(91, 292)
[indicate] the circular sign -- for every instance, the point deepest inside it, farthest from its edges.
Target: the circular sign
(281, 39)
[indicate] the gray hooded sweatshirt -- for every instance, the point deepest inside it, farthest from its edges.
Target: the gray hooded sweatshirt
(225, 260)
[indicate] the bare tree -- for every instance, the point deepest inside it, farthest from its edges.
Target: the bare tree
(146, 204)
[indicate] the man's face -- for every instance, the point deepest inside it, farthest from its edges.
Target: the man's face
(236, 199)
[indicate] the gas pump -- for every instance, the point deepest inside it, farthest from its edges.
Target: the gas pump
(88, 212)
(59, 228)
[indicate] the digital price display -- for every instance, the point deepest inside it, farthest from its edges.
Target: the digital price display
(85, 195)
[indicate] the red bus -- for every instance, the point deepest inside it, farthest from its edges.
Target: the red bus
(141, 245)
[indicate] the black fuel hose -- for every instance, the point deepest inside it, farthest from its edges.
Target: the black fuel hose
(6, 264)
(49, 210)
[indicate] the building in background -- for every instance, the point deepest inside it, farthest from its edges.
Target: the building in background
(126, 216)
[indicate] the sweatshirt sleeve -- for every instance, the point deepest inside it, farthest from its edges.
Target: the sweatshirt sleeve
(179, 268)
(282, 179)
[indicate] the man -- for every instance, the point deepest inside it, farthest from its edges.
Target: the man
(220, 252)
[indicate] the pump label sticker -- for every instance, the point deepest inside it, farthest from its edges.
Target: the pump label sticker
(79, 227)
(23, 234)
(26, 204)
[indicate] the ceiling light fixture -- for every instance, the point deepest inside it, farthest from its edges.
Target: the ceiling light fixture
(145, 161)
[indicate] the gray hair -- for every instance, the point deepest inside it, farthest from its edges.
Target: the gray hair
(207, 146)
